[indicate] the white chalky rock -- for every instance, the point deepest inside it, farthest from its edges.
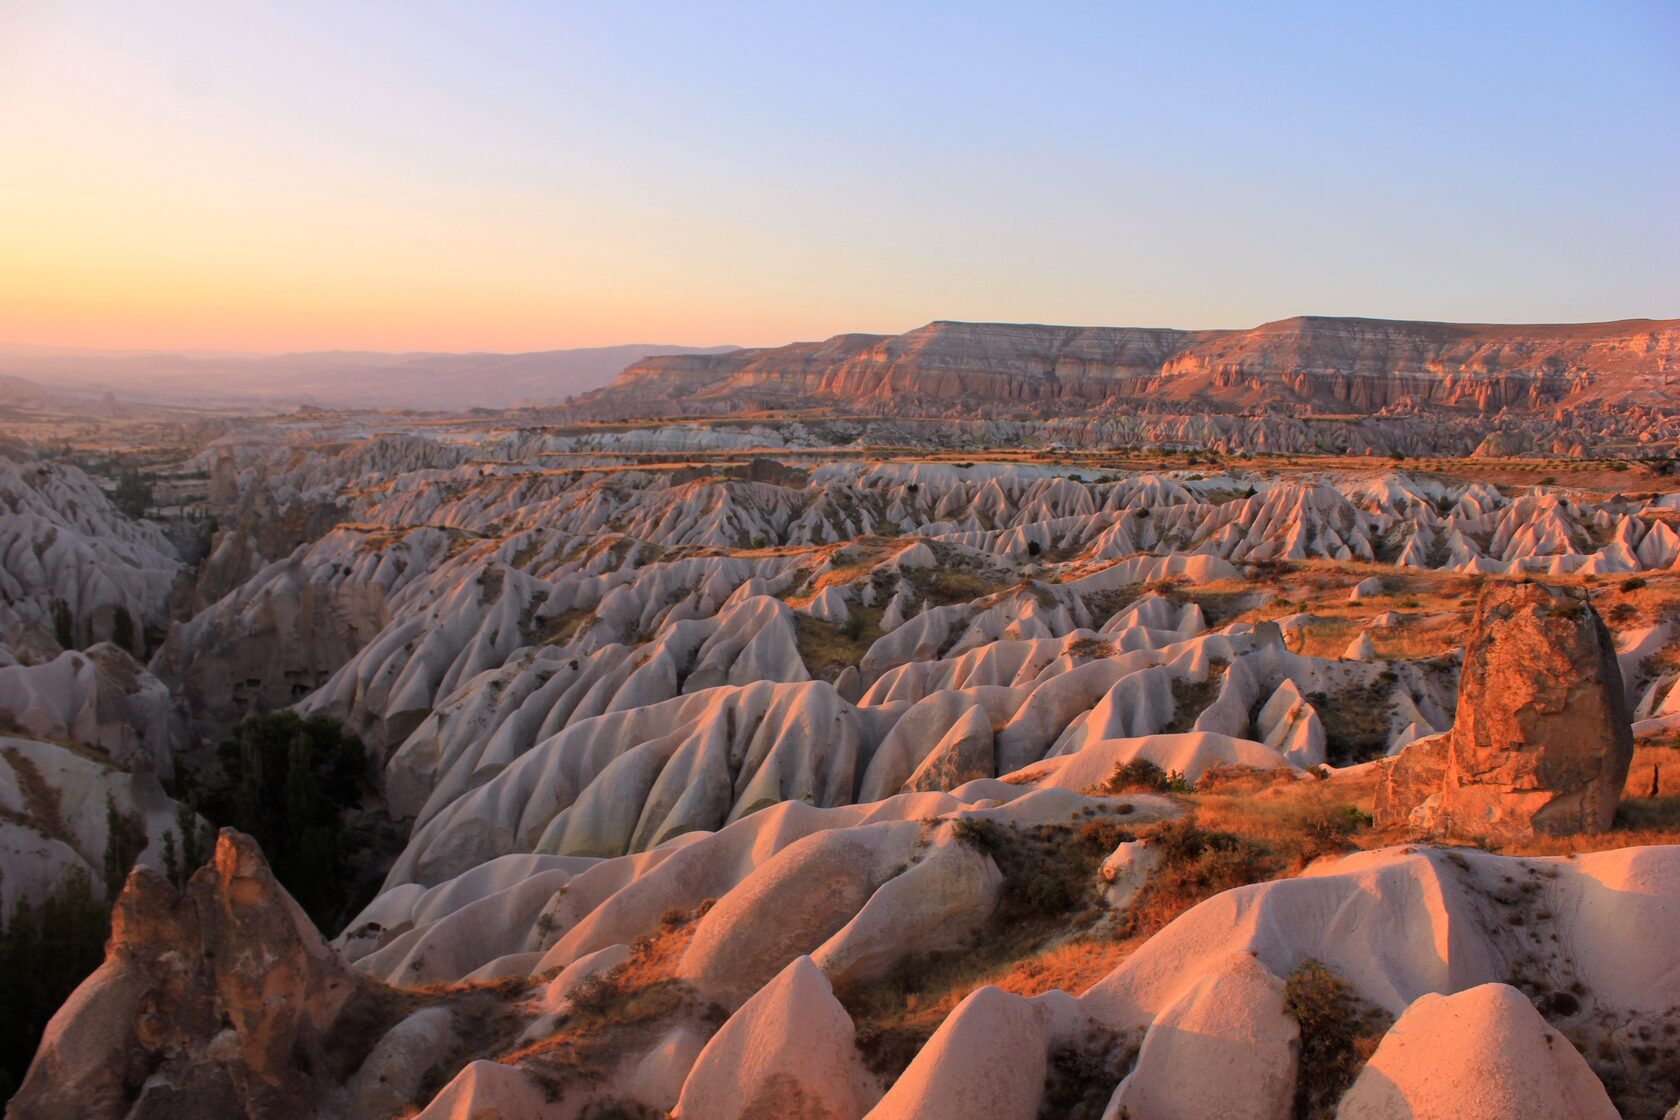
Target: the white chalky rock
(789, 1051)
(934, 906)
(1226, 1048)
(1366, 588)
(1126, 870)
(987, 1058)
(487, 1090)
(1480, 1054)
(965, 753)
(790, 905)
(389, 1078)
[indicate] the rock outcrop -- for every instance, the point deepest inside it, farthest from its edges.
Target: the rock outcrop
(1481, 1054)
(215, 1002)
(1542, 739)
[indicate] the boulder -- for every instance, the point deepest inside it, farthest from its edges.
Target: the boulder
(1366, 588)
(1542, 739)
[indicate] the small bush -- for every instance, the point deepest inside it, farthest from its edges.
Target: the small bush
(1081, 1074)
(1130, 777)
(982, 835)
(1141, 775)
(1195, 864)
(1328, 830)
(1339, 1031)
(596, 995)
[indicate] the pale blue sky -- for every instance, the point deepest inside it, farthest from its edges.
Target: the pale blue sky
(522, 175)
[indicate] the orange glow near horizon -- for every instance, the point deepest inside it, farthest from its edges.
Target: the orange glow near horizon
(163, 266)
(196, 174)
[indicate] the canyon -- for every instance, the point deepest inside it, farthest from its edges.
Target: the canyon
(933, 750)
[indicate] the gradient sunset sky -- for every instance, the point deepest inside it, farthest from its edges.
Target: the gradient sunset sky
(228, 174)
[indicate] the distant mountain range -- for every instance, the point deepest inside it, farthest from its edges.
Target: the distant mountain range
(1313, 363)
(1309, 364)
(333, 378)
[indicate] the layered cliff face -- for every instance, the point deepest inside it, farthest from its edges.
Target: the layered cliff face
(1331, 364)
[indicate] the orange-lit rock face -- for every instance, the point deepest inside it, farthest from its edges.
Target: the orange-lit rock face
(1353, 364)
(215, 1001)
(1542, 739)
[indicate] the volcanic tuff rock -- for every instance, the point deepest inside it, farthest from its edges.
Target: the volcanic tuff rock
(1342, 364)
(1482, 1054)
(61, 540)
(56, 805)
(99, 697)
(218, 1001)
(1542, 739)
(696, 740)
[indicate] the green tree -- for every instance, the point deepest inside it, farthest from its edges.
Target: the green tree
(122, 629)
(64, 627)
(290, 782)
(45, 952)
(124, 841)
(187, 846)
(134, 493)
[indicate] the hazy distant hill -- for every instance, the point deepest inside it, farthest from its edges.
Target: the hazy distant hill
(341, 377)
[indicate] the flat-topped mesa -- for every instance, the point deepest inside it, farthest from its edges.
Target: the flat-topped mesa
(1542, 739)
(1334, 364)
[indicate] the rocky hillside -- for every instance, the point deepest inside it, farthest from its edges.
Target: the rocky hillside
(1333, 365)
(710, 780)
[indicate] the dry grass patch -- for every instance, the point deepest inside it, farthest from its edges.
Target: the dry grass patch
(41, 810)
(559, 629)
(1195, 864)
(1302, 819)
(616, 1012)
(827, 649)
(1050, 903)
(1068, 966)
(1246, 827)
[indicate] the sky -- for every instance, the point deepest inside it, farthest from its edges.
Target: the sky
(494, 175)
